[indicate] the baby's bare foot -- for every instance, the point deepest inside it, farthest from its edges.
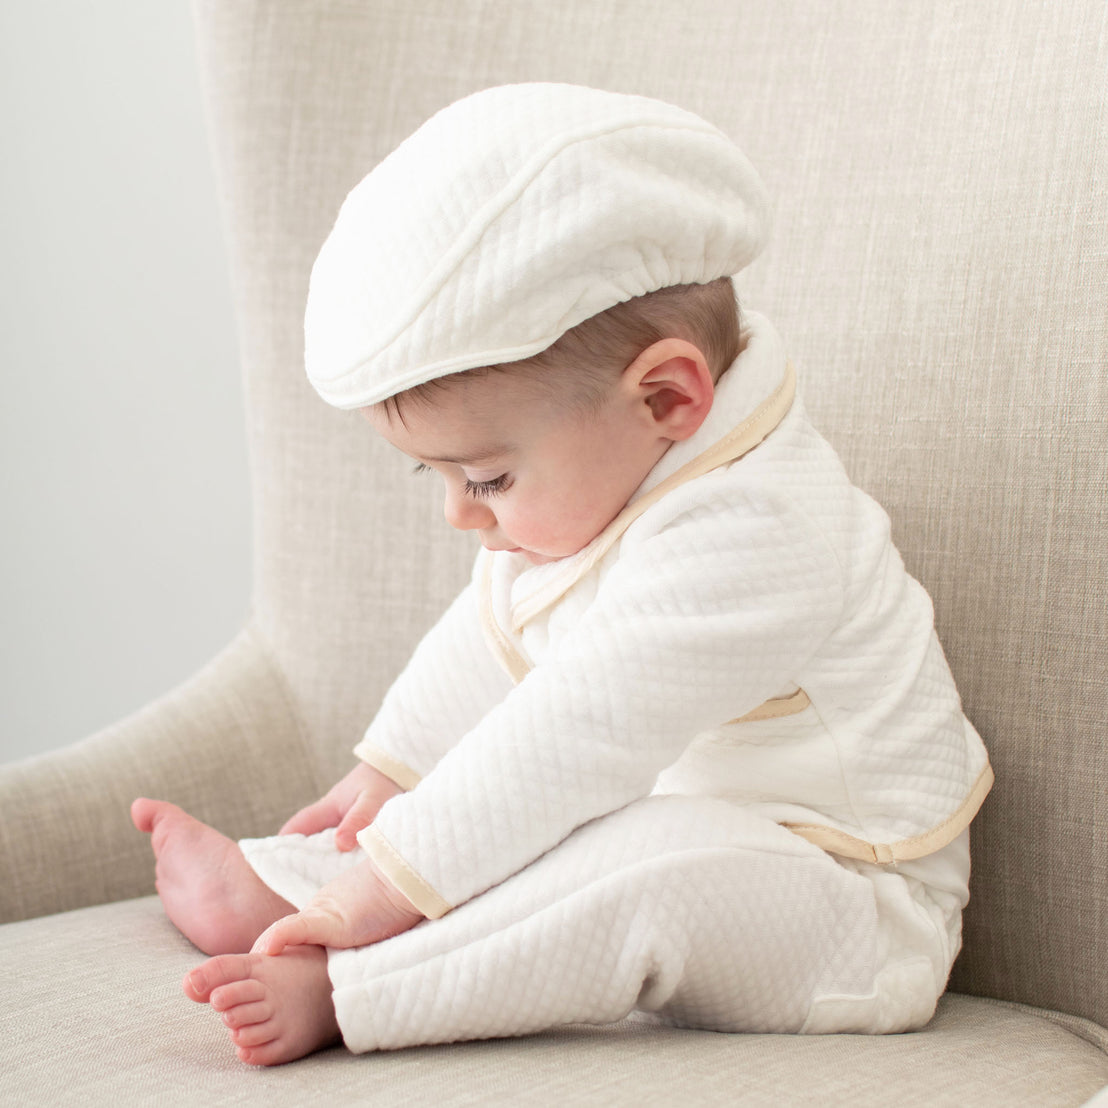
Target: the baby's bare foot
(277, 1009)
(207, 887)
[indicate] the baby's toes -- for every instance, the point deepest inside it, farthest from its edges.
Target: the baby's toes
(242, 1015)
(231, 996)
(254, 1034)
(268, 1054)
(223, 970)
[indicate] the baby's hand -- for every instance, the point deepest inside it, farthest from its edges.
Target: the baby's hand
(357, 908)
(363, 812)
(349, 806)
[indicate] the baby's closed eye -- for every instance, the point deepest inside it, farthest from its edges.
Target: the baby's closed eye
(480, 490)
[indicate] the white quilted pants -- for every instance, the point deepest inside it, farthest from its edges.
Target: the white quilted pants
(685, 907)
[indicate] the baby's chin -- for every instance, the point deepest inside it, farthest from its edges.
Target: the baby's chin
(537, 559)
(534, 557)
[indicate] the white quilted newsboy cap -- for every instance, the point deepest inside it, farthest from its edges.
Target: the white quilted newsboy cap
(511, 216)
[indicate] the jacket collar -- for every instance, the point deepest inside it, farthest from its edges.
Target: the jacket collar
(752, 396)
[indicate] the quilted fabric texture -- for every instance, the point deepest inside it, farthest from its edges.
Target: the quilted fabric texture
(511, 216)
(737, 587)
(768, 574)
(693, 910)
(433, 724)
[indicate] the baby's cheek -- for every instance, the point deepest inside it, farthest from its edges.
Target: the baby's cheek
(544, 534)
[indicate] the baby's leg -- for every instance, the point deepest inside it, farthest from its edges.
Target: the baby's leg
(207, 887)
(689, 908)
(276, 1009)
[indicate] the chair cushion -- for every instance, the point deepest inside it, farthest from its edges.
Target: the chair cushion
(93, 1011)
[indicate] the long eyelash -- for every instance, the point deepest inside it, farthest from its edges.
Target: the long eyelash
(477, 489)
(480, 490)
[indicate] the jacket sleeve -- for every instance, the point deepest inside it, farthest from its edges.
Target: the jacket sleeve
(450, 683)
(692, 626)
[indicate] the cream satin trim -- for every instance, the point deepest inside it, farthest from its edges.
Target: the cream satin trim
(839, 842)
(777, 708)
(511, 660)
(394, 770)
(741, 440)
(393, 866)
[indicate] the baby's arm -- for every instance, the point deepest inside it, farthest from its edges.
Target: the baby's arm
(450, 683)
(348, 806)
(696, 624)
(688, 630)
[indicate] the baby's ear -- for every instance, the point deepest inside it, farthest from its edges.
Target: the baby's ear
(672, 380)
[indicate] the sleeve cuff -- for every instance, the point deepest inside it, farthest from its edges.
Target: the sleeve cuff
(394, 770)
(393, 866)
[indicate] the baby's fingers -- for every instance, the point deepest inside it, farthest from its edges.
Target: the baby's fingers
(316, 817)
(360, 815)
(309, 927)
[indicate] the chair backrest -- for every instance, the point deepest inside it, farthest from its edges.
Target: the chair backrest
(939, 271)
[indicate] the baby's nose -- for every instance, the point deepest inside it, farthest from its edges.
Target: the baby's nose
(464, 513)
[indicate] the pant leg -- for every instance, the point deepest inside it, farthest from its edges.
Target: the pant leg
(686, 907)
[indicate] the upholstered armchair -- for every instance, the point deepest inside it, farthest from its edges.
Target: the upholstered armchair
(940, 273)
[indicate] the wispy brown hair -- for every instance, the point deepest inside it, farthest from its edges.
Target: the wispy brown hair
(590, 355)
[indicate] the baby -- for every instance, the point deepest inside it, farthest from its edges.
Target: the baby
(686, 746)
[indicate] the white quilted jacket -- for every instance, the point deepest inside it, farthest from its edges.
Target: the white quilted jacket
(744, 629)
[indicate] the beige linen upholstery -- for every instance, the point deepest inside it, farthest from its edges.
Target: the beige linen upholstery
(939, 269)
(147, 1045)
(228, 744)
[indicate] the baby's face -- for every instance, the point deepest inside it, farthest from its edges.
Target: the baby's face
(527, 471)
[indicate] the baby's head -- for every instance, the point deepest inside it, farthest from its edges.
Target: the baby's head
(540, 454)
(532, 296)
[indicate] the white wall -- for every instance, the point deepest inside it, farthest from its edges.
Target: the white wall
(124, 512)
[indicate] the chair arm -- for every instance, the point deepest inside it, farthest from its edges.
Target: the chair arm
(228, 745)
